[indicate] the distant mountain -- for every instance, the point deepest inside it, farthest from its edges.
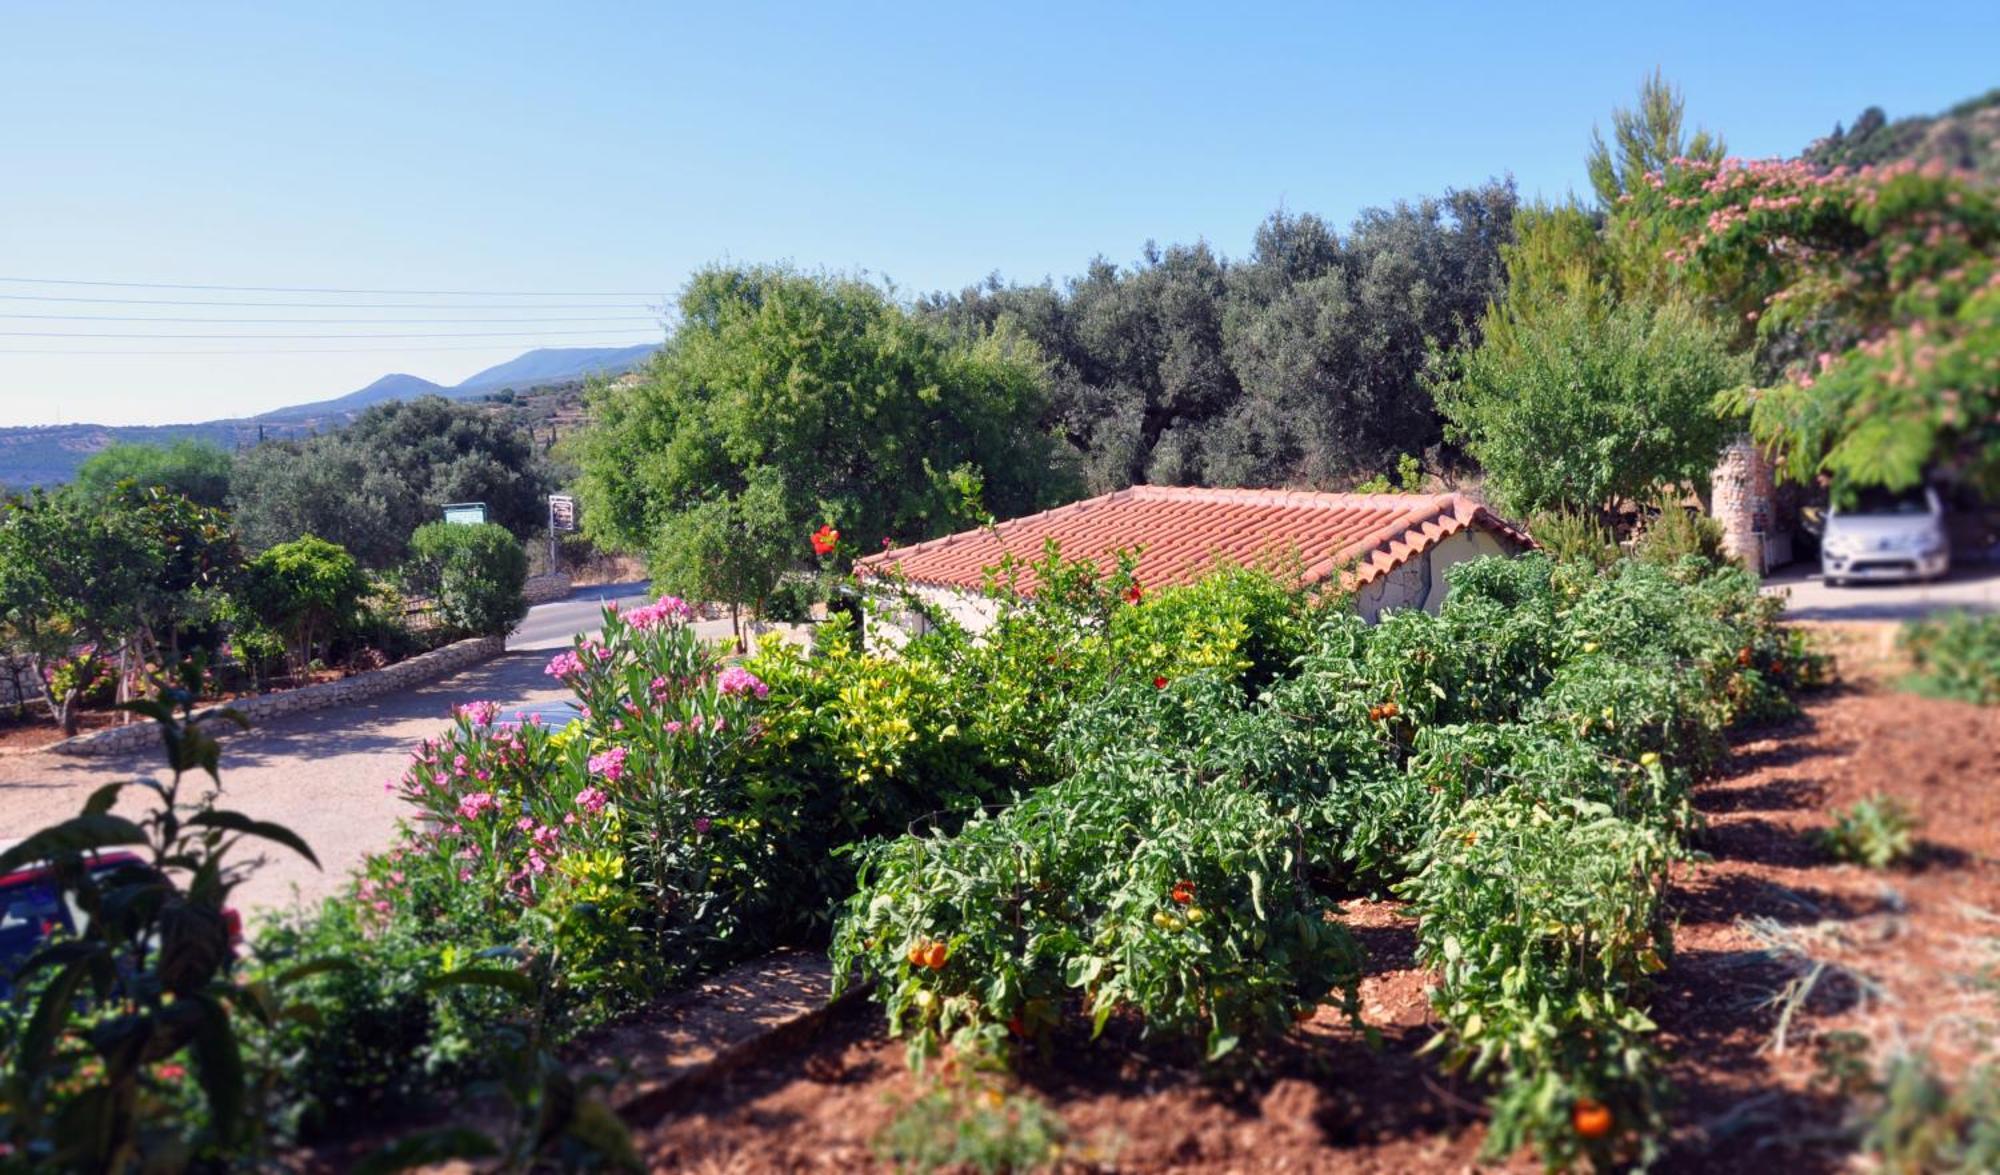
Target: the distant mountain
(49, 454)
(543, 365)
(390, 387)
(547, 365)
(1966, 137)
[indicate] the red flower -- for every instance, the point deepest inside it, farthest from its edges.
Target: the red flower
(1134, 594)
(1183, 892)
(171, 1072)
(1159, 683)
(824, 540)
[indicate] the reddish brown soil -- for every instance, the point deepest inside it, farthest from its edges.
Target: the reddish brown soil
(36, 730)
(1902, 950)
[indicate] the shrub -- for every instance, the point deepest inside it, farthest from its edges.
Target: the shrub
(1877, 832)
(1956, 655)
(1675, 532)
(302, 595)
(474, 573)
(1544, 920)
(1575, 536)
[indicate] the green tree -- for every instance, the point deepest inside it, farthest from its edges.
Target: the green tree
(196, 470)
(1300, 364)
(87, 581)
(1646, 138)
(731, 549)
(784, 401)
(305, 593)
(474, 573)
(1869, 302)
(1572, 404)
(369, 485)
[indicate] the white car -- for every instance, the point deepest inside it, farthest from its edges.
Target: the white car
(1882, 535)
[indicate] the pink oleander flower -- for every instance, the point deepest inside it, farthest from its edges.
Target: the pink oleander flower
(546, 836)
(668, 610)
(524, 824)
(701, 826)
(480, 713)
(476, 805)
(610, 764)
(592, 800)
(738, 680)
(564, 664)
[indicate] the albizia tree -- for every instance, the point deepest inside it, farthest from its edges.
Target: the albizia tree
(1871, 298)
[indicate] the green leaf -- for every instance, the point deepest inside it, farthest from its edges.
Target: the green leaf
(73, 837)
(238, 822)
(597, 1127)
(316, 967)
(51, 1012)
(219, 1064)
(512, 981)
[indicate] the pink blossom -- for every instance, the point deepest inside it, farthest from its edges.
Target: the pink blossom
(669, 610)
(480, 713)
(591, 800)
(477, 804)
(738, 680)
(546, 836)
(701, 826)
(564, 665)
(610, 764)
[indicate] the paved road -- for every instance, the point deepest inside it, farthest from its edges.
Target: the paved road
(1967, 588)
(322, 774)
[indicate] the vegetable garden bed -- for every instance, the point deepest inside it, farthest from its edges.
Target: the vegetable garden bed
(1323, 1100)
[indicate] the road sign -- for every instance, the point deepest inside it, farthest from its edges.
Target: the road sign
(468, 513)
(562, 512)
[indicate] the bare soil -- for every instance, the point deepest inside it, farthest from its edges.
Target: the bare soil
(1904, 958)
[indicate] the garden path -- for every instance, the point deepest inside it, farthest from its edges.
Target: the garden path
(320, 774)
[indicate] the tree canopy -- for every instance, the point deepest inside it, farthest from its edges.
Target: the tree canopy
(786, 400)
(367, 487)
(1300, 364)
(196, 470)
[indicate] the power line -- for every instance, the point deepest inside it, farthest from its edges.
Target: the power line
(491, 334)
(347, 321)
(268, 304)
(56, 281)
(101, 353)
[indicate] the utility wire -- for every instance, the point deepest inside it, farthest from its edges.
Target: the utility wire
(268, 304)
(491, 334)
(344, 321)
(56, 281)
(494, 347)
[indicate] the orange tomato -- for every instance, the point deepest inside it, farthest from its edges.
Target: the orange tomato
(916, 955)
(1591, 1118)
(1390, 710)
(936, 956)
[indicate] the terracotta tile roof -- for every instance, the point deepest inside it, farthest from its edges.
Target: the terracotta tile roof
(1183, 531)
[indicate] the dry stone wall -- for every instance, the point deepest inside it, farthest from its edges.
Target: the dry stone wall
(418, 670)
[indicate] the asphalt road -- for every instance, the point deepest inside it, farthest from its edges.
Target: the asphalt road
(322, 774)
(1968, 588)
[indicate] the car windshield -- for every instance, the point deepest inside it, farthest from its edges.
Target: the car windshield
(1876, 501)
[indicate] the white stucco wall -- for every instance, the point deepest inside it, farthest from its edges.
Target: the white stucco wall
(1420, 583)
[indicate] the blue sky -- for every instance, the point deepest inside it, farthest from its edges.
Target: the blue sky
(577, 147)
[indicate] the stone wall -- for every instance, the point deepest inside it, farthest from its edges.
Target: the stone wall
(544, 589)
(418, 670)
(1744, 499)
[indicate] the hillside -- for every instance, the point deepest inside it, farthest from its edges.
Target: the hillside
(1966, 137)
(50, 454)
